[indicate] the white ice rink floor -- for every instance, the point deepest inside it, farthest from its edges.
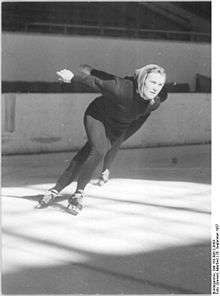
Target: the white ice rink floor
(145, 232)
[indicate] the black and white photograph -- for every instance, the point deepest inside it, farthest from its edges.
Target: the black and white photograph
(106, 148)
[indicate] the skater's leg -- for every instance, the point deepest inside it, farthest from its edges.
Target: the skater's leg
(111, 154)
(100, 144)
(67, 177)
(71, 172)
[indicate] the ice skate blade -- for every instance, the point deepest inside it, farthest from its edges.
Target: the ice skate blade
(100, 183)
(41, 206)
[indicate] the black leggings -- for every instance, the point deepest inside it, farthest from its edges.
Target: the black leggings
(84, 163)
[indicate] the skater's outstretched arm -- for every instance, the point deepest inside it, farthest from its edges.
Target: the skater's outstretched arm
(101, 74)
(100, 81)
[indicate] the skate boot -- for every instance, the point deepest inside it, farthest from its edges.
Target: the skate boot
(104, 178)
(48, 197)
(75, 203)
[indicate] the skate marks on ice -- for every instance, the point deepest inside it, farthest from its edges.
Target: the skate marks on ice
(170, 195)
(161, 194)
(18, 193)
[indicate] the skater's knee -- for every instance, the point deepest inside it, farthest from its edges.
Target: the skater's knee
(100, 151)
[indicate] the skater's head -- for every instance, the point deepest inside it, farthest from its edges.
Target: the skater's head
(150, 81)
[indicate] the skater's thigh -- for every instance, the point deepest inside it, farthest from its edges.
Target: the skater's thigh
(117, 142)
(96, 134)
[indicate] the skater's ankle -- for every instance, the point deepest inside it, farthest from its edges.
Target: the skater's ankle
(81, 191)
(58, 187)
(55, 191)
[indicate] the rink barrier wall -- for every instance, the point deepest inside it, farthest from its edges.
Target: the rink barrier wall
(37, 57)
(38, 123)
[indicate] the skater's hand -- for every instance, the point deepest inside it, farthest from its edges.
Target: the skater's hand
(85, 69)
(65, 75)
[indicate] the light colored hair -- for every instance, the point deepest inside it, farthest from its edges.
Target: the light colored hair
(142, 73)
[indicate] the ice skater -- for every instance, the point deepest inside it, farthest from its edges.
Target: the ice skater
(109, 120)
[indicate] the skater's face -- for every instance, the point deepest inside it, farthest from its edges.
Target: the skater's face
(153, 84)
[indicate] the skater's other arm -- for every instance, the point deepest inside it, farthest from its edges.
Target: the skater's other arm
(135, 126)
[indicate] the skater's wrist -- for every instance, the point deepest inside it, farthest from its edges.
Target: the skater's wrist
(86, 69)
